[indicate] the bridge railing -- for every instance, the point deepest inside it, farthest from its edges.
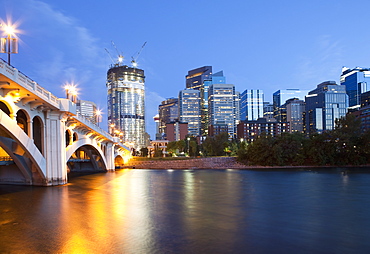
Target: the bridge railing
(27, 83)
(93, 126)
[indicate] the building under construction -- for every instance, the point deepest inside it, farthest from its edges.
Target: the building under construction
(126, 105)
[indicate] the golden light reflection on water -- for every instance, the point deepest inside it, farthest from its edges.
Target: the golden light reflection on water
(110, 219)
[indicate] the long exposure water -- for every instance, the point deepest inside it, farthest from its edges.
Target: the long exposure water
(190, 211)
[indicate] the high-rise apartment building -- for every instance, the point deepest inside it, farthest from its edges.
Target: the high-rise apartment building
(168, 113)
(223, 111)
(281, 96)
(189, 110)
(126, 105)
(251, 104)
(357, 81)
(324, 105)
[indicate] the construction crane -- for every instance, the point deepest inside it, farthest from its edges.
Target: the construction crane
(134, 59)
(120, 56)
(110, 56)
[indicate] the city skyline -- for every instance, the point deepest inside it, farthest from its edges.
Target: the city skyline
(269, 46)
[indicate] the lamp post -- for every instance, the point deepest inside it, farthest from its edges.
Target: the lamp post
(97, 115)
(9, 45)
(188, 139)
(71, 92)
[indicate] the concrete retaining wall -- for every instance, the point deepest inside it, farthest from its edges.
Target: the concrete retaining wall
(201, 163)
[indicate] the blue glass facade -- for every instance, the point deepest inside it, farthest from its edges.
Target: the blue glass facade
(281, 96)
(251, 105)
(223, 109)
(201, 79)
(189, 110)
(324, 105)
(357, 81)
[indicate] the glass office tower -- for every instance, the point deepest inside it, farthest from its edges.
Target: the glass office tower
(324, 105)
(357, 81)
(168, 113)
(189, 110)
(281, 96)
(251, 105)
(201, 79)
(126, 105)
(223, 108)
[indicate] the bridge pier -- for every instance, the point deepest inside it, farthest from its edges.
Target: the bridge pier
(56, 162)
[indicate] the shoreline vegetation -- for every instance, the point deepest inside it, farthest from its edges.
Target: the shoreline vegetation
(346, 146)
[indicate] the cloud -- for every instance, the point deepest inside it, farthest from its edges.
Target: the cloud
(58, 49)
(321, 63)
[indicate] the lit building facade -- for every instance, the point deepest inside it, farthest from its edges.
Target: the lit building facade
(126, 104)
(251, 130)
(251, 105)
(168, 113)
(281, 96)
(201, 79)
(324, 105)
(295, 109)
(357, 81)
(176, 131)
(223, 111)
(189, 110)
(88, 110)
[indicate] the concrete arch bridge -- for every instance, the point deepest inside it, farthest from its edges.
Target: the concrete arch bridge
(42, 138)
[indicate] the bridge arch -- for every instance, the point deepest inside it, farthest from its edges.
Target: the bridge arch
(38, 133)
(23, 151)
(5, 107)
(89, 148)
(23, 120)
(75, 137)
(118, 161)
(68, 137)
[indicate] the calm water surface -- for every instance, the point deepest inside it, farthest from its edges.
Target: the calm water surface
(202, 211)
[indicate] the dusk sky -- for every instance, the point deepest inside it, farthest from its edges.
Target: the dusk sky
(268, 45)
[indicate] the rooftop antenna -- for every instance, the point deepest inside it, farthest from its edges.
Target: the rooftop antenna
(134, 59)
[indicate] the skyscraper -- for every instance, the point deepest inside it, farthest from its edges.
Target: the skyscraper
(294, 114)
(126, 105)
(189, 110)
(223, 109)
(87, 109)
(357, 81)
(201, 79)
(324, 105)
(251, 104)
(281, 96)
(168, 113)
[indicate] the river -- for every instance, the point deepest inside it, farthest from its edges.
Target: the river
(190, 211)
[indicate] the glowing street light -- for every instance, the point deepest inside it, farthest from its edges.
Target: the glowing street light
(71, 92)
(9, 44)
(98, 114)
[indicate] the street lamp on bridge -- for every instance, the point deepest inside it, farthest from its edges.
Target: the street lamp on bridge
(71, 92)
(9, 44)
(98, 114)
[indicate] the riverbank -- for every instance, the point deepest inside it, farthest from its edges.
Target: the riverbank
(196, 163)
(218, 163)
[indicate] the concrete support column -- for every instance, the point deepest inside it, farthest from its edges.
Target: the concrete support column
(55, 152)
(110, 156)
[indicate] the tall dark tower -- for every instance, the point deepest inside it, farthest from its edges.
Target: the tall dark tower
(200, 79)
(126, 105)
